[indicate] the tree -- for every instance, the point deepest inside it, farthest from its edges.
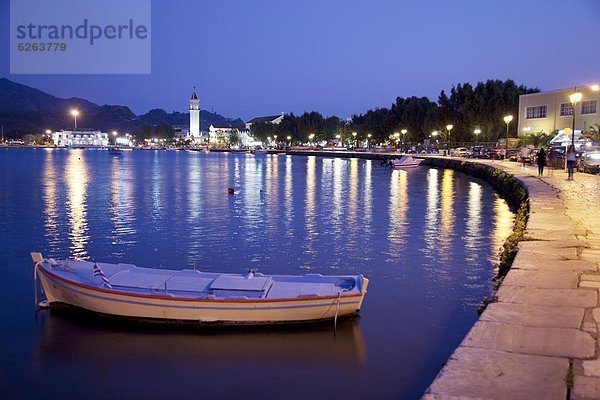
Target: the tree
(536, 139)
(593, 133)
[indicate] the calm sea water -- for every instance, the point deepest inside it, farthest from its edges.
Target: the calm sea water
(426, 238)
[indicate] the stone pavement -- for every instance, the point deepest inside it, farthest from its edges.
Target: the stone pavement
(539, 339)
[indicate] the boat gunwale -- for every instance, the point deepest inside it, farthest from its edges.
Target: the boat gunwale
(161, 297)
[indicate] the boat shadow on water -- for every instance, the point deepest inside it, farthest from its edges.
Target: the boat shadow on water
(73, 333)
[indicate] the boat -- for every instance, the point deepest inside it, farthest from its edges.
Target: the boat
(406, 162)
(259, 151)
(115, 151)
(126, 290)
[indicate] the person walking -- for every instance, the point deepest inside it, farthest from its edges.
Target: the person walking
(541, 161)
(570, 162)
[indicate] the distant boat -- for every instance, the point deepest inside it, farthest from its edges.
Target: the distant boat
(259, 151)
(126, 290)
(406, 162)
(115, 151)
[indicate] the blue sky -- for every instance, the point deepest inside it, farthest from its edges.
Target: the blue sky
(249, 58)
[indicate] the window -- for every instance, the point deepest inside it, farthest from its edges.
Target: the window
(537, 112)
(589, 107)
(566, 109)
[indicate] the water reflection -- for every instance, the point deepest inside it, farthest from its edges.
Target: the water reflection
(310, 205)
(288, 193)
(76, 175)
(447, 216)
(51, 211)
(503, 223)
(368, 197)
(122, 207)
(473, 223)
(431, 214)
(398, 211)
(63, 339)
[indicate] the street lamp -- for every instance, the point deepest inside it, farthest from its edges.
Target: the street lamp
(507, 119)
(397, 138)
(368, 140)
(575, 98)
(75, 113)
(289, 138)
(448, 128)
(477, 132)
(311, 137)
(403, 131)
(354, 135)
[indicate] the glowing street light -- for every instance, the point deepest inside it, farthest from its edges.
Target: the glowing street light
(354, 135)
(403, 131)
(477, 132)
(289, 139)
(507, 120)
(311, 137)
(75, 113)
(595, 87)
(448, 128)
(575, 98)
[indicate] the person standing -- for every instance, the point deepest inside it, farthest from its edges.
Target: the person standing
(570, 161)
(541, 161)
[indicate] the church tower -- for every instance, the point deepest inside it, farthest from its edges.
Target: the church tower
(194, 116)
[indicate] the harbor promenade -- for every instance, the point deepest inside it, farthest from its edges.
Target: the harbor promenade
(539, 338)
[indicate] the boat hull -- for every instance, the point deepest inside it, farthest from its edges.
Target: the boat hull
(253, 312)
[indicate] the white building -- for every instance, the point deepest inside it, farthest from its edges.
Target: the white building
(80, 138)
(553, 112)
(194, 117)
(272, 119)
(221, 133)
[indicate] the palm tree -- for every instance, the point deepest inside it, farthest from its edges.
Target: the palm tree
(593, 133)
(536, 139)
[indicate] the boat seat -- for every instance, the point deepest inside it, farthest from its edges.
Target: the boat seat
(297, 289)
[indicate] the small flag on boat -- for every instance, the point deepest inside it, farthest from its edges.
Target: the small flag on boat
(98, 272)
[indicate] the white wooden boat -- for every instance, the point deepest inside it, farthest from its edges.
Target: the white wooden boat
(189, 295)
(406, 162)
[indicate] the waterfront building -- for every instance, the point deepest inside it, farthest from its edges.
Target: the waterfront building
(272, 119)
(80, 138)
(194, 131)
(221, 133)
(552, 111)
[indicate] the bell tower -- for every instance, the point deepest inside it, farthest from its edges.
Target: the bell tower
(194, 116)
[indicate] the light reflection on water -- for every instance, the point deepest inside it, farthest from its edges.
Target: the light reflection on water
(426, 238)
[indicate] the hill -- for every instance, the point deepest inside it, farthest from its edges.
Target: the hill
(25, 110)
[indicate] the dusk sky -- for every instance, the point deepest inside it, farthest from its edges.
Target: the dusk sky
(252, 58)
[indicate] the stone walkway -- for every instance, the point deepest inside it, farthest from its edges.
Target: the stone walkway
(539, 340)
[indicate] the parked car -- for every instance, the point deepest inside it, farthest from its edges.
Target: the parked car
(461, 152)
(512, 154)
(589, 162)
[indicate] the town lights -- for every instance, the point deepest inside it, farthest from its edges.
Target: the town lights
(507, 120)
(575, 98)
(75, 113)
(448, 128)
(477, 132)
(595, 88)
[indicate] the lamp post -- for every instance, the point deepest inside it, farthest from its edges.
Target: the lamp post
(369, 141)
(397, 138)
(115, 133)
(311, 137)
(289, 139)
(75, 113)
(477, 132)
(403, 131)
(507, 119)
(575, 98)
(449, 129)
(354, 136)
